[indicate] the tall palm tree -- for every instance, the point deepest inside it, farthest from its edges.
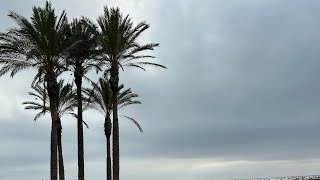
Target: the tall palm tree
(120, 48)
(82, 41)
(66, 103)
(37, 43)
(99, 98)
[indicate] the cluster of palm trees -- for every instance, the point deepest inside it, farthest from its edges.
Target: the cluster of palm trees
(52, 45)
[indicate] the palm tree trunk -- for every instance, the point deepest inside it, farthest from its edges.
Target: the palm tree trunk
(53, 93)
(114, 82)
(109, 166)
(78, 80)
(61, 164)
(107, 131)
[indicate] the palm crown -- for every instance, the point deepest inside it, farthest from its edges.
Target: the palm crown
(99, 98)
(66, 100)
(34, 44)
(82, 42)
(118, 40)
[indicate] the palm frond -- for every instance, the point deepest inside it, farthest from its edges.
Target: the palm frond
(150, 64)
(135, 66)
(135, 122)
(38, 115)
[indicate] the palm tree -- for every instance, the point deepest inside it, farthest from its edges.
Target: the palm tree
(66, 103)
(37, 43)
(99, 98)
(80, 60)
(119, 46)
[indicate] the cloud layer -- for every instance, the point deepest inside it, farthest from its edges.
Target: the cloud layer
(240, 97)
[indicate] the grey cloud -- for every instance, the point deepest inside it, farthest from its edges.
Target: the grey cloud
(260, 77)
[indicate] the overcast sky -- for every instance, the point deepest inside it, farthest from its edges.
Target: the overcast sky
(240, 97)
